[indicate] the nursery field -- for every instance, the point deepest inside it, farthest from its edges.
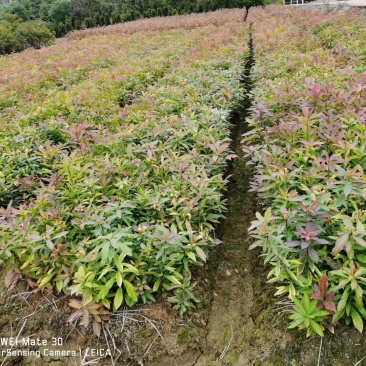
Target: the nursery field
(182, 190)
(113, 158)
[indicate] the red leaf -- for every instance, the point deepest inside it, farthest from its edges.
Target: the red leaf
(12, 279)
(330, 296)
(323, 285)
(353, 285)
(97, 328)
(330, 305)
(316, 91)
(74, 303)
(8, 209)
(86, 319)
(316, 295)
(73, 316)
(313, 254)
(330, 327)
(31, 283)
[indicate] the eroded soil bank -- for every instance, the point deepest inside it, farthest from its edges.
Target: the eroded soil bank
(238, 322)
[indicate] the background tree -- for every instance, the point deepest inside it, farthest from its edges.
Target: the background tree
(60, 16)
(79, 10)
(14, 8)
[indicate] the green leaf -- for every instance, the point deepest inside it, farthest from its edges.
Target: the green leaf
(268, 213)
(129, 150)
(357, 320)
(340, 200)
(105, 252)
(104, 272)
(119, 278)
(312, 306)
(296, 316)
(192, 256)
(296, 323)
(118, 262)
(46, 280)
(200, 253)
(294, 278)
(361, 258)
(60, 235)
(129, 301)
(306, 302)
(118, 299)
(156, 286)
(129, 268)
(130, 290)
(317, 328)
(106, 303)
(343, 302)
(299, 305)
(105, 289)
(59, 285)
(347, 190)
(340, 244)
(347, 222)
(173, 280)
(125, 248)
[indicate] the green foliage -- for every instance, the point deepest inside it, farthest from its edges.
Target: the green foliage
(183, 295)
(249, 3)
(307, 316)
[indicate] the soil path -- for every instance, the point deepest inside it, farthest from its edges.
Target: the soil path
(231, 321)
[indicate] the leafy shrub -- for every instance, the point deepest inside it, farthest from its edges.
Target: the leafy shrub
(16, 36)
(9, 40)
(35, 34)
